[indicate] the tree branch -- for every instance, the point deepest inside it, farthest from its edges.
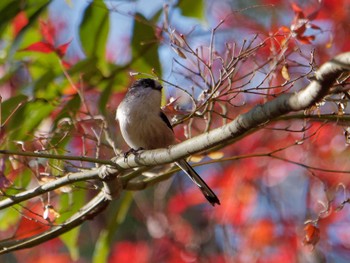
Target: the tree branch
(249, 122)
(89, 211)
(47, 187)
(218, 138)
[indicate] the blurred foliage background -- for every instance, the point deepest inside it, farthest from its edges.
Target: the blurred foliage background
(64, 68)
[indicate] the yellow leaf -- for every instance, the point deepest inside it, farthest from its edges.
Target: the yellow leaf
(216, 155)
(285, 73)
(196, 158)
(330, 42)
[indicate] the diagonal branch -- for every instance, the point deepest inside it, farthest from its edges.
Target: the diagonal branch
(47, 187)
(249, 122)
(89, 211)
(242, 126)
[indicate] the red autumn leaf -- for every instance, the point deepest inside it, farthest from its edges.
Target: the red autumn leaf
(57, 257)
(312, 235)
(31, 223)
(305, 39)
(126, 251)
(284, 29)
(262, 233)
(28, 228)
(296, 8)
(40, 46)
(313, 26)
(314, 14)
(48, 32)
(69, 90)
(178, 204)
(66, 64)
(299, 28)
(301, 23)
(19, 22)
(62, 49)
(170, 108)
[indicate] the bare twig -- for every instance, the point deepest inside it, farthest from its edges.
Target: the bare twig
(240, 127)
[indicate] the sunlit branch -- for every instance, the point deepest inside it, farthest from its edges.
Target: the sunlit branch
(240, 127)
(249, 122)
(57, 157)
(47, 187)
(68, 179)
(89, 211)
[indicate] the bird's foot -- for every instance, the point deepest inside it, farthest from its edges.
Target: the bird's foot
(132, 151)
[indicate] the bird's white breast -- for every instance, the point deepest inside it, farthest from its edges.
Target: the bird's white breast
(141, 124)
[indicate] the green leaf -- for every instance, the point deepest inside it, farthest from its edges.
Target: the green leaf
(62, 134)
(105, 95)
(70, 203)
(193, 8)
(94, 29)
(9, 218)
(44, 80)
(69, 110)
(70, 239)
(145, 46)
(8, 10)
(85, 66)
(43, 71)
(29, 117)
(33, 11)
(117, 82)
(89, 70)
(102, 248)
(9, 106)
(105, 239)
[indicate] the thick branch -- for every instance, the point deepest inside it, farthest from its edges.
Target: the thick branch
(243, 125)
(47, 187)
(90, 210)
(249, 122)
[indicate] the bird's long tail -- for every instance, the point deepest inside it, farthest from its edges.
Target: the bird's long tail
(207, 192)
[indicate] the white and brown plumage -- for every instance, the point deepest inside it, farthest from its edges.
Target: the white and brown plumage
(144, 125)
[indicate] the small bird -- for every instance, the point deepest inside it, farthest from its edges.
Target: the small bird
(144, 126)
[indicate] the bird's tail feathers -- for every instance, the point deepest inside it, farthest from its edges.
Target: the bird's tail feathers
(207, 192)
